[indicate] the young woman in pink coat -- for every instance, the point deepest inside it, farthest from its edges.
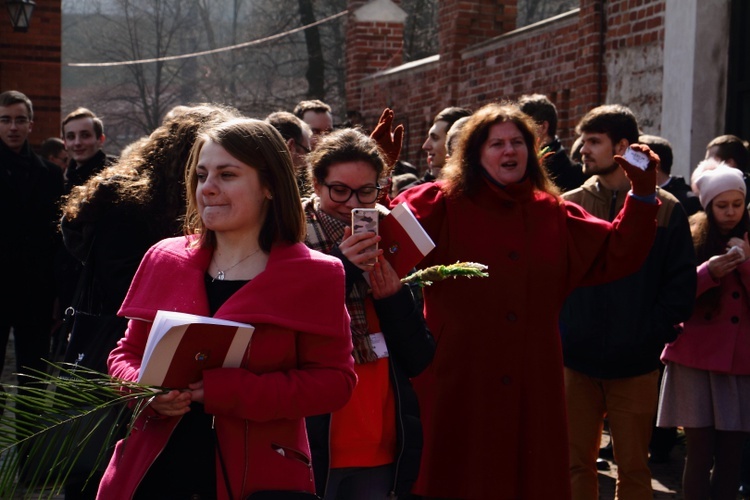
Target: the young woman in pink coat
(492, 401)
(238, 430)
(706, 384)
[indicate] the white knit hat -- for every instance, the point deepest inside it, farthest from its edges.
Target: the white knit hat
(713, 177)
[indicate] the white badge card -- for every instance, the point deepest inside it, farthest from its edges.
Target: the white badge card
(378, 345)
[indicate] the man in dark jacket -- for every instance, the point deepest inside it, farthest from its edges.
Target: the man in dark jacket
(434, 145)
(564, 173)
(30, 189)
(613, 334)
(83, 133)
(675, 185)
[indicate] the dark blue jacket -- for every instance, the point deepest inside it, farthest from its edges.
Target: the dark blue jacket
(619, 329)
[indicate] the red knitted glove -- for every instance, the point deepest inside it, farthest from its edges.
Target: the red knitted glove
(643, 183)
(390, 140)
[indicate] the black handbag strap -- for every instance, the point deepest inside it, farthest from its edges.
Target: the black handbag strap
(85, 283)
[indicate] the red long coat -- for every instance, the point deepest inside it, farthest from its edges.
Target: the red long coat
(492, 401)
(298, 364)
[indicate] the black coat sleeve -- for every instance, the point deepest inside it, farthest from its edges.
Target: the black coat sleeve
(410, 342)
(678, 282)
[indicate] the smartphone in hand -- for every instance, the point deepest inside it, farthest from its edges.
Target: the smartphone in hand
(736, 250)
(366, 220)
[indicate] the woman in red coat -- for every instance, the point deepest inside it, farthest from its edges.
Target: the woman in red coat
(492, 401)
(238, 430)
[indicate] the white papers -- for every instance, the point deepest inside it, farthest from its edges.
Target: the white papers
(205, 347)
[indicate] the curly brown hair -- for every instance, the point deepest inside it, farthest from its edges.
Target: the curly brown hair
(150, 173)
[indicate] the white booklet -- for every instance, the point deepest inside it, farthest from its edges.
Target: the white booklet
(180, 346)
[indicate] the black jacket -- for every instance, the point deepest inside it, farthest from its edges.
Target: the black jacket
(30, 190)
(78, 174)
(619, 329)
(687, 198)
(564, 173)
(410, 347)
(68, 267)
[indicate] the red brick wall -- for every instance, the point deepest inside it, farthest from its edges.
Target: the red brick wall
(375, 46)
(30, 63)
(571, 58)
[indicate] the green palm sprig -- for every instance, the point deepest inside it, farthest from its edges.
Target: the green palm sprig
(45, 425)
(428, 275)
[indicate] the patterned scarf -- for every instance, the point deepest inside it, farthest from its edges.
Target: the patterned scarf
(324, 233)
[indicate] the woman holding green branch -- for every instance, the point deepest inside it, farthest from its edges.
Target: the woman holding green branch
(492, 400)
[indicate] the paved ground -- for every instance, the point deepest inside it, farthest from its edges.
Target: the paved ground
(666, 477)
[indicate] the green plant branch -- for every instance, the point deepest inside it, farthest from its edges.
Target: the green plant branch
(429, 275)
(48, 422)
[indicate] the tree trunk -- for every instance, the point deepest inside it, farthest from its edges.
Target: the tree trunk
(315, 65)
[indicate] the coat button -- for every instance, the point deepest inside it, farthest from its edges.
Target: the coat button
(735, 320)
(511, 317)
(514, 256)
(506, 380)
(735, 295)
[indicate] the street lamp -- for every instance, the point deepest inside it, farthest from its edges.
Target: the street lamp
(20, 13)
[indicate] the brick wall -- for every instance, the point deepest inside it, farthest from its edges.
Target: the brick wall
(30, 63)
(580, 59)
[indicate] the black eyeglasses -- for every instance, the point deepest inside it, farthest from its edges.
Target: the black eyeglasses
(340, 193)
(303, 147)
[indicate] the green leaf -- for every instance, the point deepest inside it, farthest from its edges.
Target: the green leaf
(46, 424)
(427, 276)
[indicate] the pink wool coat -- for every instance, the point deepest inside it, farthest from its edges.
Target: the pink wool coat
(492, 401)
(299, 363)
(718, 342)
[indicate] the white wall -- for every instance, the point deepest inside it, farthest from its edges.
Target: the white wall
(696, 49)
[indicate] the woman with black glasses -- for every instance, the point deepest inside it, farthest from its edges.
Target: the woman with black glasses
(372, 447)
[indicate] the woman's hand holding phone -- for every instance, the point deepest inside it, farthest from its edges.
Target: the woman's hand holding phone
(737, 252)
(360, 249)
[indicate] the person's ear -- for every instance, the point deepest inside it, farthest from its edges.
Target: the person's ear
(544, 130)
(317, 188)
(621, 146)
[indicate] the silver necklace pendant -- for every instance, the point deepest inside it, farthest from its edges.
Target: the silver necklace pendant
(220, 276)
